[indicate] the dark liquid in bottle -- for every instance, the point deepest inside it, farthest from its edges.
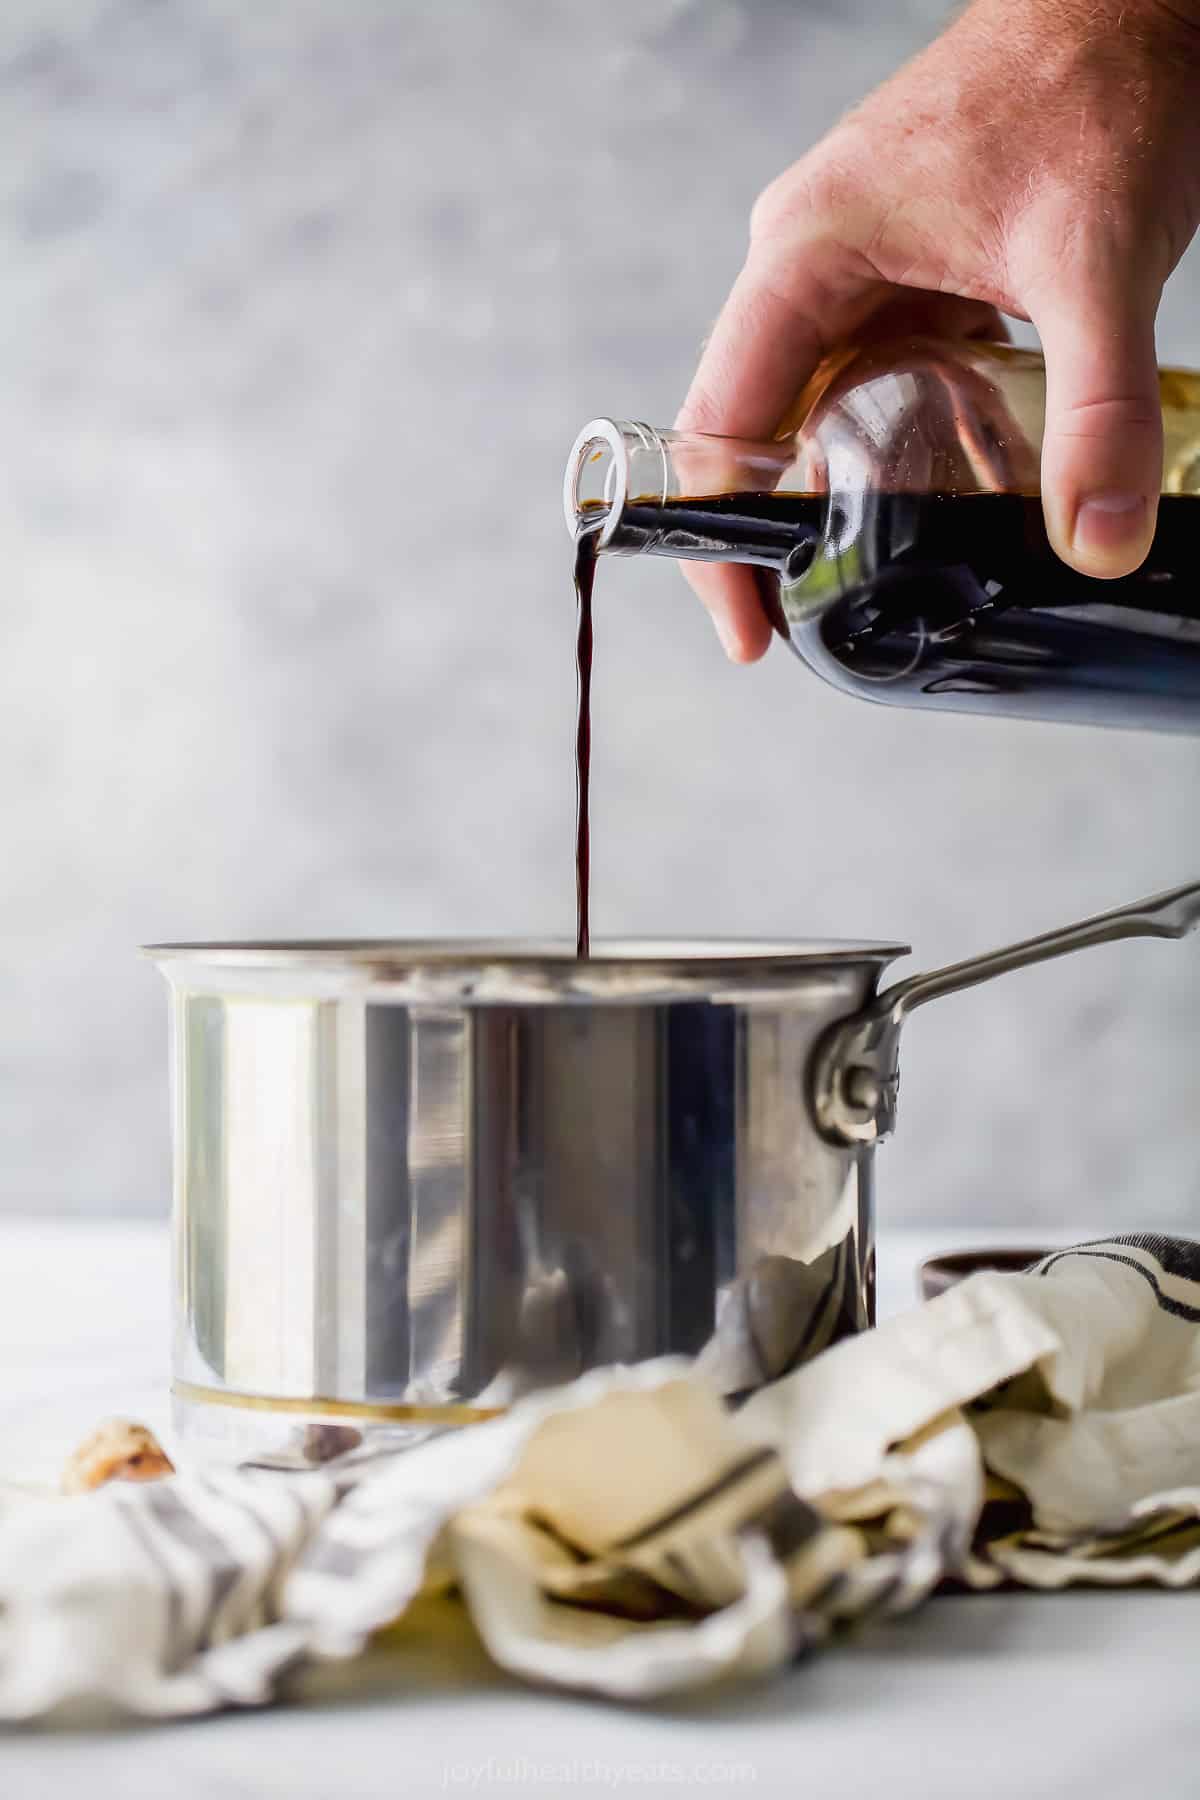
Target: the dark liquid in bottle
(958, 601)
(585, 574)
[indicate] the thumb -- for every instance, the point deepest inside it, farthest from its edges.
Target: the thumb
(1103, 448)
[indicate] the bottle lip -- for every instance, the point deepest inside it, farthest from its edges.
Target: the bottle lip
(600, 457)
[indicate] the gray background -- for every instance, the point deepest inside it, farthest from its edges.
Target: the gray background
(300, 307)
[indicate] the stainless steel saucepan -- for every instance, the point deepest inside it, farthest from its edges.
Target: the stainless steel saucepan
(413, 1179)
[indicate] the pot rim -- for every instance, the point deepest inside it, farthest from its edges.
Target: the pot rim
(391, 954)
(482, 971)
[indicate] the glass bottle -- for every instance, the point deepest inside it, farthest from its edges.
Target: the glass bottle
(899, 516)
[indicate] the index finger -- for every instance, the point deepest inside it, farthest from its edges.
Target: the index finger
(773, 330)
(783, 312)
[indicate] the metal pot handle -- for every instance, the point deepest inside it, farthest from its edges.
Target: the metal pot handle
(855, 1073)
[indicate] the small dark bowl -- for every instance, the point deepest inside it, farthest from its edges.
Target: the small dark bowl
(942, 1272)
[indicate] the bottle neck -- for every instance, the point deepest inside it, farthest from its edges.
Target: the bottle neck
(689, 496)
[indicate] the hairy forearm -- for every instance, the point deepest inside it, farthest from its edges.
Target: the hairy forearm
(1025, 22)
(1140, 21)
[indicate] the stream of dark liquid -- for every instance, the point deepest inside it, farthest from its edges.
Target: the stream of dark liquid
(585, 574)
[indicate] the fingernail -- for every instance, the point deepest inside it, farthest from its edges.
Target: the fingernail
(730, 642)
(1107, 522)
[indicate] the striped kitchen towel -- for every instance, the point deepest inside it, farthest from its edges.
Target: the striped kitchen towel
(634, 1534)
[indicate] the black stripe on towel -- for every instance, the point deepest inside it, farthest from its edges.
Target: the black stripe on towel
(1177, 1308)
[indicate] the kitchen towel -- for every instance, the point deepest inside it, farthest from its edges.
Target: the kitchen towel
(632, 1533)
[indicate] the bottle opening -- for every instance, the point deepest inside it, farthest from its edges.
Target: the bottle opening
(608, 459)
(684, 494)
(595, 486)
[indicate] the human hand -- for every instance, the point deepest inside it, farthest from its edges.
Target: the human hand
(1041, 158)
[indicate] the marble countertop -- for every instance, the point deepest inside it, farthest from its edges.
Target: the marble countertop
(1046, 1695)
